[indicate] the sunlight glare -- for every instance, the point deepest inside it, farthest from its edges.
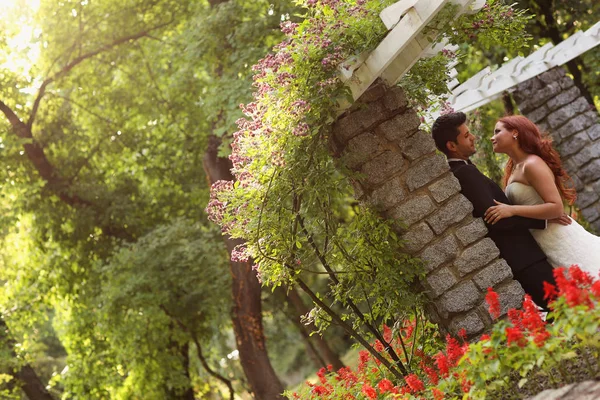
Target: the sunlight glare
(21, 39)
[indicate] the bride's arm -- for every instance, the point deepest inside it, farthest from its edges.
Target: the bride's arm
(540, 176)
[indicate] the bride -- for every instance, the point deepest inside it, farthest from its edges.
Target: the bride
(535, 184)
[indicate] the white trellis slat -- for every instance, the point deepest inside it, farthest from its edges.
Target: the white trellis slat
(486, 86)
(403, 46)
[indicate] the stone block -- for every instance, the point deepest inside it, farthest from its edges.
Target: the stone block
(395, 99)
(358, 190)
(382, 167)
(471, 323)
(590, 172)
(417, 237)
(585, 155)
(476, 256)
(534, 99)
(387, 196)
(361, 149)
(399, 127)
(471, 232)
(585, 198)
(573, 144)
(579, 106)
(417, 145)
(426, 171)
(444, 188)
(492, 275)
(455, 210)
(592, 212)
(440, 281)
(526, 89)
(441, 252)
(577, 183)
(565, 82)
(577, 124)
(510, 296)
(538, 114)
(460, 299)
(558, 117)
(593, 132)
(347, 127)
(552, 75)
(564, 98)
(373, 93)
(412, 210)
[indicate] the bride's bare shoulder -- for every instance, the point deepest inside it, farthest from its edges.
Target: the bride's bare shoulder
(535, 164)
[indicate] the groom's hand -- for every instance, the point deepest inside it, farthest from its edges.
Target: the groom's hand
(562, 220)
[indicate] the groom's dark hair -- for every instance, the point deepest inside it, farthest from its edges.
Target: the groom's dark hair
(445, 129)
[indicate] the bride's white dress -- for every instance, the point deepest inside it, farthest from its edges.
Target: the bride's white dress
(563, 245)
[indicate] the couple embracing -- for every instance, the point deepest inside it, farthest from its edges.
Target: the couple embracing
(527, 221)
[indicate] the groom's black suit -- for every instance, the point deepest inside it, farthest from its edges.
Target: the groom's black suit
(511, 235)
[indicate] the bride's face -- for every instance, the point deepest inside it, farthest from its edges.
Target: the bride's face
(503, 139)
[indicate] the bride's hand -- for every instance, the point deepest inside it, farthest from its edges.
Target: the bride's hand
(497, 212)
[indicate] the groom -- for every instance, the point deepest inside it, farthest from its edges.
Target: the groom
(511, 235)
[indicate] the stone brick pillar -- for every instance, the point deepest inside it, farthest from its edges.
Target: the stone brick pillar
(555, 104)
(400, 174)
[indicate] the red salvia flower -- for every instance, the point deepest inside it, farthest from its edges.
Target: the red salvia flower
(385, 385)
(378, 346)
(484, 337)
(387, 333)
(462, 334)
(540, 337)
(596, 289)
(516, 318)
(550, 292)
(321, 375)
(442, 363)
(368, 391)
(453, 350)
(580, 277)
(437, 394)
(515, 335)
(431, 374)
(493, 302)
(414, 383)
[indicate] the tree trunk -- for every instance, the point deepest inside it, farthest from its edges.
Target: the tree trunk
(189, 393)
(324, 351)
(247, 310)
(31, 384)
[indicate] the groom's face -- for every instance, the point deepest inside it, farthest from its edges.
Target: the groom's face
(465, 143)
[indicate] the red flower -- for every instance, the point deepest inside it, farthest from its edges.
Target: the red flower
(494, 304)
(437, 394)
(580, 277)
(516, 318)
(515, 335)
(484, 337)
(387, 333)
(463, 334)
(540, 337)
(321, 390)
(531, 317)
(550, 292)
(431, 374)
(368, 391)
(363, 359)
(321, 375)
(596, 289)
(378, 346)
(465, 385)
(385, 385)
(453, 350)
(414, 383)
(442, 363)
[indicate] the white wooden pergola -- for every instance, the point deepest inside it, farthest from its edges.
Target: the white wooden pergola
(405, 44)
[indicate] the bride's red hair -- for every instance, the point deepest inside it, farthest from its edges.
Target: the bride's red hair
(531, 141)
